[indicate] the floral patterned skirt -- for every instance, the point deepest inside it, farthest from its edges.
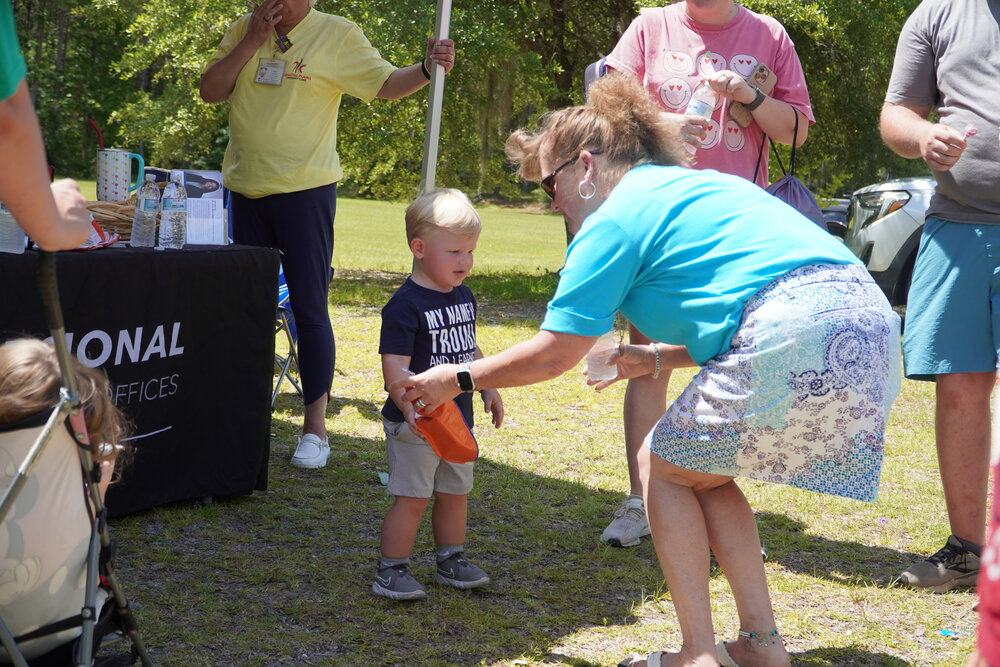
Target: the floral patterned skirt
(802, 397)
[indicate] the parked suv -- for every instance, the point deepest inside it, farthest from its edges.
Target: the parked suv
(884, 223)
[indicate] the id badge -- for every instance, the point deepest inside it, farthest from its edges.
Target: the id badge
(270, 72)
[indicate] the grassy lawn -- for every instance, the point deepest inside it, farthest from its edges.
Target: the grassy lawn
(284, 577)
(87, 188)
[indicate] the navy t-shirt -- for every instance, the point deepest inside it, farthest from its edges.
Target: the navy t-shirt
(430, 328)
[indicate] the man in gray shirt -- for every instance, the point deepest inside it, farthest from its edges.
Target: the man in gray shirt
(948, 66)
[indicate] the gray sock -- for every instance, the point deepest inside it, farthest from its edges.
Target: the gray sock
(389, 562)
(446, 551)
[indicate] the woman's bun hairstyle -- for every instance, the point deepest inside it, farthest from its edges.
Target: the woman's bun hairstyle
(619, 120)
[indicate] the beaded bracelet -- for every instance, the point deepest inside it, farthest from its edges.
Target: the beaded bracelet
(656, 353)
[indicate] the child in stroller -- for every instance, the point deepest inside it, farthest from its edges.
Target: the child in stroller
(45, 535)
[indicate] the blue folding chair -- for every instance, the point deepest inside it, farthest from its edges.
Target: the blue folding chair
(284, 326)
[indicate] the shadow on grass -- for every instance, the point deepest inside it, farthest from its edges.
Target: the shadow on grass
(290, 400)
(838, 657)
(284, 577)
(367, 409)
(788, 543)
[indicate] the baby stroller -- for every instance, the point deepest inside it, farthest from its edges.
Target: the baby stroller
(55, 549)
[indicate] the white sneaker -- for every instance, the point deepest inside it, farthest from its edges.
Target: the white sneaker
(311, 452)
(629, 525)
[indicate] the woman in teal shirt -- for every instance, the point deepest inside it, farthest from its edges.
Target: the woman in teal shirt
(55, 215)
(798, 347)
(669, 240)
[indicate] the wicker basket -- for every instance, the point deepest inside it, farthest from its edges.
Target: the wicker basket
(114, 216)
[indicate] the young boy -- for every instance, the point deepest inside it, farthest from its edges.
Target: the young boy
(430, 320)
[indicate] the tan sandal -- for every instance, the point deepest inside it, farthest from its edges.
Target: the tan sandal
(722, 655)
(652, 660)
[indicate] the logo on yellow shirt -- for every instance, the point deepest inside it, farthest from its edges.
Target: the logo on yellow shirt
(297, 71)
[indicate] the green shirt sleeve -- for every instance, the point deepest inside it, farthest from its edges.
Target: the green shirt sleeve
(12, 67)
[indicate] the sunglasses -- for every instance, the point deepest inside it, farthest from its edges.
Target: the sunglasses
(549, 182)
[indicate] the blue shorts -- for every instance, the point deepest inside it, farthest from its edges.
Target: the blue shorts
(953, 314)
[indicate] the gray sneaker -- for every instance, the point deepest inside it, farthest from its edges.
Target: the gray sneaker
(629, 525)
(949, 568)
(460, 573)
(397, 583)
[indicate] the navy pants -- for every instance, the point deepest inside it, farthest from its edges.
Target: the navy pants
(300, 225)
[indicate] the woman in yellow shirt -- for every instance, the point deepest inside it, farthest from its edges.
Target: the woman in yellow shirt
(284, 68)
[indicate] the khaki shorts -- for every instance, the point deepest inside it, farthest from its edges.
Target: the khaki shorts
(415, 471)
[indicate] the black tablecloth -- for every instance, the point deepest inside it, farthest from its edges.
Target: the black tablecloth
(187, 340)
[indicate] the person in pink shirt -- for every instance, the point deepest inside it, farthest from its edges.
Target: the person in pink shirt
(750, 63)
(988, 584)
(674, 49)
(987, 651)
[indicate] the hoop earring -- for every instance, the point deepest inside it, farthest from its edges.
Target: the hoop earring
(579, 190)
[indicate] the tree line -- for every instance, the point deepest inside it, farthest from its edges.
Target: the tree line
(132, 67)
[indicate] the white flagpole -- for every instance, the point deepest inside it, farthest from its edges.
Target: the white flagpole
(435, 97)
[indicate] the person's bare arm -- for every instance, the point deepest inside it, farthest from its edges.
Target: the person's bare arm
(54, 216)
(638, 360)
(775, 118)
(396, 367)
(545, 356)
(690, 128)
(909, 133)
(408, 80)
(219, 80)
(492, 402)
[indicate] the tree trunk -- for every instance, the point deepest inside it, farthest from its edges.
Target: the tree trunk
(494, 115)
(62, 42)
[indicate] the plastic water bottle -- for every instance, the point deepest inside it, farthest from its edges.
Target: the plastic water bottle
(702, 104)
(173, 220)
(599, 366)
(12, 237)
(147, 205)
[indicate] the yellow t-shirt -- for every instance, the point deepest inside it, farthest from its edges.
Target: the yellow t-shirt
(284, 138)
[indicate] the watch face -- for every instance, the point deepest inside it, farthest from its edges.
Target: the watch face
(465, 382)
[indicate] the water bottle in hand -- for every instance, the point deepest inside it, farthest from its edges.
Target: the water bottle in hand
(173, 219)
(702, 104)
(147, 206)
(599, 366)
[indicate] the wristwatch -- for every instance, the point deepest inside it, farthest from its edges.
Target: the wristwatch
(757, 101)
(464, 377)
